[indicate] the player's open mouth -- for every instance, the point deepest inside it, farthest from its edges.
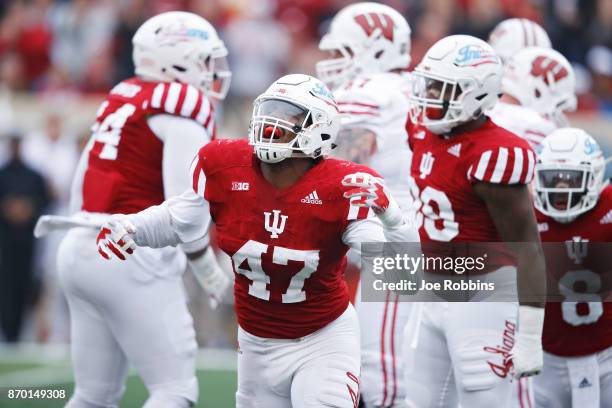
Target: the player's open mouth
(434, 113)
(273, 132)
(560, 200)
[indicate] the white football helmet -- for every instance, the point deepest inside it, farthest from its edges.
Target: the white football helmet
(184, 47)
(296, 116)
(569, 174)
(365, 38)
(543, 80)
(458, 79)
(514, 34)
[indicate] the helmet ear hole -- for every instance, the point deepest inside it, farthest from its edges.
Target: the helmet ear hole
(179, 68)
(537, 93)
(379, 54)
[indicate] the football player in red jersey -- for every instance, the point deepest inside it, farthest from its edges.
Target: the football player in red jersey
(147, 131)
(574, 205)
(470, 179)
(286, 215)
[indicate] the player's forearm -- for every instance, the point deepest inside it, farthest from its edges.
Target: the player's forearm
(531, 275)
(403, 232)
(511, 210)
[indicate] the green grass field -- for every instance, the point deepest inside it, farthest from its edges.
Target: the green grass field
(36, 368)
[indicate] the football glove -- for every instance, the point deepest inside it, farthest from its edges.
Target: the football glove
(211, 277)
(116, 237)
(527, 355)
(370, 191)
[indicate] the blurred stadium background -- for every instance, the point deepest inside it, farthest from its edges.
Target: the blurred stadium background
(57, 60)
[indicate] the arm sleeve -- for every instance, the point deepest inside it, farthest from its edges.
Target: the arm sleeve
(359, 108)
(182, 219)
(372, 230)
(182, 138)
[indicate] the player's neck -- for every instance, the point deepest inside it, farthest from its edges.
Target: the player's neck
(511, 100)
(469, 126)
(287, 172)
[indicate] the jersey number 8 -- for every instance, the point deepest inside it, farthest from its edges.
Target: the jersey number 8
(569, 309)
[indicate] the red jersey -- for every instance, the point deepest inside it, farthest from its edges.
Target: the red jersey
(285, 243)
(579, 328)
(124, 171)
(443, 170)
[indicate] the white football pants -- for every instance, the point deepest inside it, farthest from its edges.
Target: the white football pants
(318, 370)
(566, 382)
(382, 366)
(119, 317)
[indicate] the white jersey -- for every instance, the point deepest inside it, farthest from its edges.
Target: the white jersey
(379, 103)
(522, 121)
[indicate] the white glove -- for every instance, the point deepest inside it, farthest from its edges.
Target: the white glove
(370, 191)
(117, 237)
(211, 277)
(528, 356)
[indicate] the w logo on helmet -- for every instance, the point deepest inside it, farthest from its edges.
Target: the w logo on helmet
(371, 21)
(548, 68)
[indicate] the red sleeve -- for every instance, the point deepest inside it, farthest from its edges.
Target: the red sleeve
(502, 165)
(204, 164)
(183, 100)
(198, 179)
(216, 156)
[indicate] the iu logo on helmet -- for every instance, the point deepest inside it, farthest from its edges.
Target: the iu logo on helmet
(276, 226)
(546, 67)
(371, 21)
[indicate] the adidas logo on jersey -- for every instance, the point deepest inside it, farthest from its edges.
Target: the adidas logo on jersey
(455, 150)
(606, 219)
(584, 383)
(312, 198)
